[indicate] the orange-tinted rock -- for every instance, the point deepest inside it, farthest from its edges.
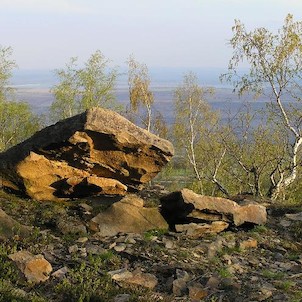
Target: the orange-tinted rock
(35, 268)
(96, 152)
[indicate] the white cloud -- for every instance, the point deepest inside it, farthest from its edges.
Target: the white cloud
(48, 6)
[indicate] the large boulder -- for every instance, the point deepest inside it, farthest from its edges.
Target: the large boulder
(185, 206)
(96, 152)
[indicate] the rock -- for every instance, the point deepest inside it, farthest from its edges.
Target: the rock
(185, 206)
(127, 216)
(251, 243)
(197, 292)
(94, 153)
(35, 268)
(142, 279)
(179, 287)
(60, 273)
(73, 249)
(10, 227)
(213, 283)
(122, 298)
(294, 217)
(71, 227)
(136, 278)
(194, 230)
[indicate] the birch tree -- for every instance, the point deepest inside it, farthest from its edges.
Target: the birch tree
(196, 129)
(81, 88)
(275, 70)
(139, 90)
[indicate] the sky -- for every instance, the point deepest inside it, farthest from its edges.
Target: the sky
(45, 34)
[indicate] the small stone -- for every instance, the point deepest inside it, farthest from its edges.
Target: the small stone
(86, 207)
(196, 292)
(121, 274)
(169, 244)
(213, 282)
(285, 223)
(35, 267)
(60, 273)
(294, 217)
(179, 287)
(73, 249)
(142, 279)
(95, 249)
(82, 240)
(181, 274)
(120, 247)
(83, 252)
(122, 298)
(251, 243)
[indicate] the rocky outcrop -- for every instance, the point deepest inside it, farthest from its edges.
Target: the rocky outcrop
(127, 216)
(185, 207)
(96, 152)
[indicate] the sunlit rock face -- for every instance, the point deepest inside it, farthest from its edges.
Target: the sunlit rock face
(96, 152)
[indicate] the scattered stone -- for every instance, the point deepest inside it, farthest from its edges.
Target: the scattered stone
(10, 227)
(143, 279)
(285, 223)
(197, 292)
(194, 230)
(94, 153)
(122, 298)
(73, 249)
(35, 268)
(95, 249)
(185, 206)
(136, 278)
(128, 216)
(294, 217)
(251, 243)
(86, 207)
(82, 240)
(120, 247)
(179, 287)
(213, 282)
(60, 273)
(169, 244)
(71, 227)
(120, 275)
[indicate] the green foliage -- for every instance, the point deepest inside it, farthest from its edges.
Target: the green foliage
(275, 69)
(17, 122)
(154, 233)
(82, 88)
(142, 99)
(273, 275)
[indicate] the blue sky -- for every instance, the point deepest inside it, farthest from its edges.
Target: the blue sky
(44, 34)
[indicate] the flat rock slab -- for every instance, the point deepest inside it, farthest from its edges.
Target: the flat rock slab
(185, 206)
(98, 152)
(197, 230)
(127, 216)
